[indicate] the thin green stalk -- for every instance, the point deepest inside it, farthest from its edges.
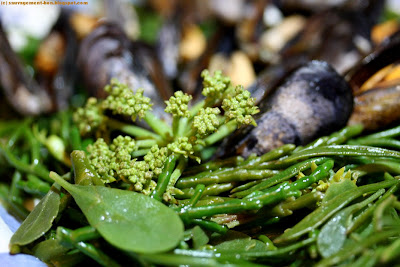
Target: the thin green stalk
(182, 162)
(338, 150)
(281, 191)
(381, 142)
(305, 201)
(377, 218)
(393, 132)
(88, 249)
(210, 190)
(225, 176)
(37, 169)
(269, 244)
(352, 249)
(195, 109)
(34, 186)
(283, 176)
(327, 209)
(175, 125)
(253, 202)
(85, 233)
(145, 143)
(223, 131)
(344, 134)
(247, 254)
(210, 226)
(133, 130)
(316, 143)
(204, 201)
(391, 252)
(16, 135)
(198, 191)
(34, 146)
(232, 206)
(164, 178)
(214, 165)
(75, 138)
(183, 124)
(140, 152)
(271, 155)
(65, 118)
(335, 138)
(247, 185)
(14, 194)
(365, 215)
(158, 126)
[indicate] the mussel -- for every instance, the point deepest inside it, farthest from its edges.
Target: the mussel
(22, 92)
(376, 86)
(314, 100)
(56, 59)
(108, 53)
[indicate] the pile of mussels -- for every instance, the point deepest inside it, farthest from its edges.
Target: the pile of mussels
(313, 66)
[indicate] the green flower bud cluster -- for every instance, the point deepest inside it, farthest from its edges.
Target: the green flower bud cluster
(113, 162)
(206, 121)
(109, 160)
(214, 87)
(122, 147)
(192, 129)
(241, 107)
(181, 146)
(122, 100)
(156, 158)
(177, 104)
(100, 157)
(142, 173)
(139, 173)
(89, 117)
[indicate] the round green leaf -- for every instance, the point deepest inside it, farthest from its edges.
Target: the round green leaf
(128, 220)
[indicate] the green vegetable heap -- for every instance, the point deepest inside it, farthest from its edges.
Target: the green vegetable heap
(113, 193)
(192, 130)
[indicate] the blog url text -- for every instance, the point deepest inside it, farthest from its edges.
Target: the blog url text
(42, 3)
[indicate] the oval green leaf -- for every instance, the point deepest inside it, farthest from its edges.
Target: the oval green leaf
(39, 221)
(329, 208)
(128, 220)
(333, 234)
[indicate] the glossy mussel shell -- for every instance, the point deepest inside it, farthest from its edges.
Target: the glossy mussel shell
(314, 101)
(376, 86)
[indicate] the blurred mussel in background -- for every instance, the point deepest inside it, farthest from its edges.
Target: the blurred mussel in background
(376, 86)
(316, 55)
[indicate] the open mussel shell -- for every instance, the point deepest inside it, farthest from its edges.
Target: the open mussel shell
(376, 86)
(314, 101)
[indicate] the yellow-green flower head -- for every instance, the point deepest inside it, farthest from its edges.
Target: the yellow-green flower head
(240, 107)
(214, 86)
(156, 158)
(177, 104)
(100, 157)
(206, 122)
(181, 146)
(122, 100)
(89, 117)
